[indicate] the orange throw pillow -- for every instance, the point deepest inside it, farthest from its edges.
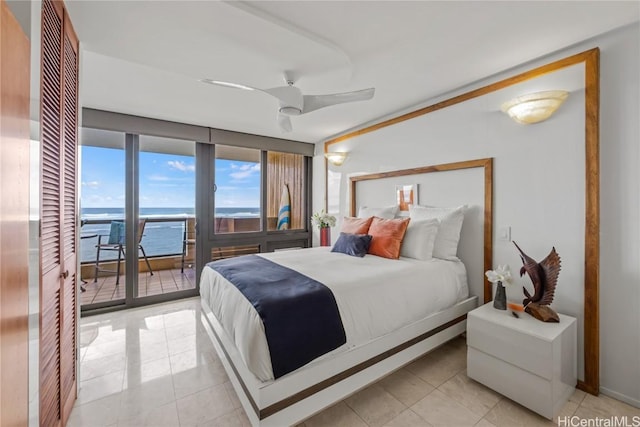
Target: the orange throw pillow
(387, 236)
(356, 225)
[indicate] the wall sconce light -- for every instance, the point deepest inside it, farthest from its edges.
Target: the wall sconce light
(336, 158)
(534, 107)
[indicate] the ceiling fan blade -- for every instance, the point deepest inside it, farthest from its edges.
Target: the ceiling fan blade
(315, 102)
(228, 84)
(284, 122)
(289, 96)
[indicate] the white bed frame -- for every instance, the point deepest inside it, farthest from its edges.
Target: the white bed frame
(300, 394)
(306, 391)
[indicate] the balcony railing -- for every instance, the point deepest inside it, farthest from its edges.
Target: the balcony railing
(162, 237)
(162, 241)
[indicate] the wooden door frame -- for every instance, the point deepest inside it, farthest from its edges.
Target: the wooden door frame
(14, 220)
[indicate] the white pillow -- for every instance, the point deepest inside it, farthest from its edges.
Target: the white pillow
(387, 212)
(419, 239)
(446, 245)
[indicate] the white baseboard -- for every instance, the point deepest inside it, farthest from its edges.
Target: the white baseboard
(621, 397)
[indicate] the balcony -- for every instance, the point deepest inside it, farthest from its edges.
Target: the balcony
(162, 282)
(162, 241)
(163, 244)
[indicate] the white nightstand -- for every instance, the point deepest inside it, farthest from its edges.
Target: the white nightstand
(529, 361)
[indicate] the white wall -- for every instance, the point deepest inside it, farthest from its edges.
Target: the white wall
(22, 12)
(539, 185)
(620, 215)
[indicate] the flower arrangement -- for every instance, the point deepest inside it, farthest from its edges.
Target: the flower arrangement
(502, 274)
(323, 220)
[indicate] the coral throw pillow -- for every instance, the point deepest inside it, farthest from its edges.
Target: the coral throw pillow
(387, 236)
(356, 225)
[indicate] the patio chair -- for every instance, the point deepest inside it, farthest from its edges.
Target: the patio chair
(116, 242)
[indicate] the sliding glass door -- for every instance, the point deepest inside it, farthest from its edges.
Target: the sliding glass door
(138, 234)
(166, 216)
(102, 215)
(154, 209)
(161, 199)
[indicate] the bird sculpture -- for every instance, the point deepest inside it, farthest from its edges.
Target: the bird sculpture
(544, 276)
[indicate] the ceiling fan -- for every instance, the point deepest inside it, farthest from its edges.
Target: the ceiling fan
(293, 102)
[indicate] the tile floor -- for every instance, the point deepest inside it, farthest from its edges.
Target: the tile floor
(162, 282)
(155, 366)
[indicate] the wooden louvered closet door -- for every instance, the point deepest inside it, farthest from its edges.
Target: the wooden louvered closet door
(58, 241)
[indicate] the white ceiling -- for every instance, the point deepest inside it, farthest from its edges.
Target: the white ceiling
(146, 57)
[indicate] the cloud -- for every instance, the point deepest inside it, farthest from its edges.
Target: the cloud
(91, 184)
(158, 178)
(227, 188)
(181, 166)
(244, 171)
(246, 166)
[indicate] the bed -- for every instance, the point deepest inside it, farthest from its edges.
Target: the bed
(374, 295)
(392, 311)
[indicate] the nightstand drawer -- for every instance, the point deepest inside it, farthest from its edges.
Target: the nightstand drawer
(531, 362)
(525, 351)
(521, 386)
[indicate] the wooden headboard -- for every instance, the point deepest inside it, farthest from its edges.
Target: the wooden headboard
(486, 166)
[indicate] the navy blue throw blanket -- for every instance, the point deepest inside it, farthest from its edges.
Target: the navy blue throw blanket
(300, 315)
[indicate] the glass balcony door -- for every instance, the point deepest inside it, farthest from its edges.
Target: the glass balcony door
(166, 216)
(138, 224)
(102, 218)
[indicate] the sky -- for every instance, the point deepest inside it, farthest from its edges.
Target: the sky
(166, 180)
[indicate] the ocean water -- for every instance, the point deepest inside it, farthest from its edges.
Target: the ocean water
(160, 238)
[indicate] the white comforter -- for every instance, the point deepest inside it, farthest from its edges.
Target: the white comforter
(375, 296)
